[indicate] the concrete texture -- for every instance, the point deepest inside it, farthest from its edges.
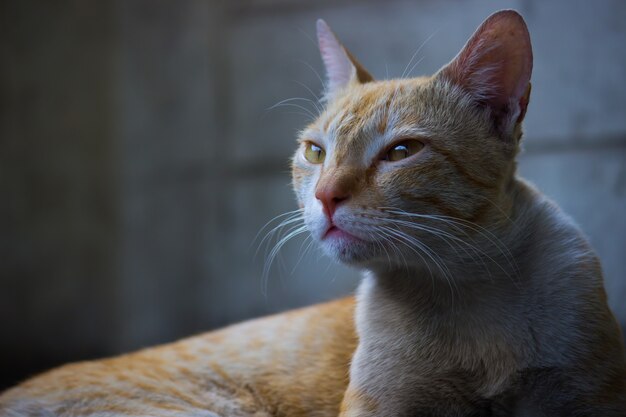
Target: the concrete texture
(138, 157)
(58, 211)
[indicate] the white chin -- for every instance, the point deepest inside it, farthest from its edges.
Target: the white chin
(348, 252)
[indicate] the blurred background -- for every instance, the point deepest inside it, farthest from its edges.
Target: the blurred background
(138, 157)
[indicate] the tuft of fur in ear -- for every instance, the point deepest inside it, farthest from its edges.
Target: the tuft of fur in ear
(494, 67)
(341, 67)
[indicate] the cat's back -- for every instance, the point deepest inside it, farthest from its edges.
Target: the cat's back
(288, 364)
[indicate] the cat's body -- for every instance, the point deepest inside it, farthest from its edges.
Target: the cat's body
(498, 347)
(297, 364)
(292, 364)
(480, 298)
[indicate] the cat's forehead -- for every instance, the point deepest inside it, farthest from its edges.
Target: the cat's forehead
(369, 113)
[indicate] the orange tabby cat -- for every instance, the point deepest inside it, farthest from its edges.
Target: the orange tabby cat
(479, 297)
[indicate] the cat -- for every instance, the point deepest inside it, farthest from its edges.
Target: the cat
(479, 296)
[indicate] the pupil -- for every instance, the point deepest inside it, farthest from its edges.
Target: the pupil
(403, 150)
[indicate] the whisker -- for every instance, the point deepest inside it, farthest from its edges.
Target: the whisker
(305, 33)
(288, 213)
(317, 74)
(388, 238)
(417, 52)
(385, 249)
(454, 221)
(412, 243)
(310, 241)
(493, 239)
(272, 255)
(288, 103)
(315, 96)
(293, 218)
(446, 237)
(415, 66)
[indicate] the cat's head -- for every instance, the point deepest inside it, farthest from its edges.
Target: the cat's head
(393, 171)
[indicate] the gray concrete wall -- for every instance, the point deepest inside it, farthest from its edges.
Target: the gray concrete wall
(58, 198)
(138, 158)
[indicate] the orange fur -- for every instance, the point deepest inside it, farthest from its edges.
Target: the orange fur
(240, 370)
(480, 296)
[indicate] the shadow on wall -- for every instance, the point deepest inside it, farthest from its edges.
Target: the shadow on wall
(139, 160)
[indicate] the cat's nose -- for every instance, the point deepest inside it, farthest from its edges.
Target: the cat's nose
(331, 195)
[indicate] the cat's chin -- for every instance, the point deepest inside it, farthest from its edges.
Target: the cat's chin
(346, 248)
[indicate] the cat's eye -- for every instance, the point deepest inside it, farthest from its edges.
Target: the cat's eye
(314, 153)
(402, 150)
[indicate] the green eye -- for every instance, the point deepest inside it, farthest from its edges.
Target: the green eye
(314, 154)
(403, 150)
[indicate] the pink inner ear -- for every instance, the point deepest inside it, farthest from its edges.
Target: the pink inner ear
(496, 63)
(339, 68)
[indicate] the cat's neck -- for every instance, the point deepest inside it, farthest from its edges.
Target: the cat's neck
(432, 294)
(472, 318)
(480, 287)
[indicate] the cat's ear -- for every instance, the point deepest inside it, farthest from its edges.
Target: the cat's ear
(341, 67)
(495, 66)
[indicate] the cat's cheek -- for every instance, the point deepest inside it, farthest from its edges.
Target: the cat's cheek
(305, 198)
(315, 220)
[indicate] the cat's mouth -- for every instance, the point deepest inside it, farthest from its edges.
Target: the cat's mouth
(335, 232)
(344, 246)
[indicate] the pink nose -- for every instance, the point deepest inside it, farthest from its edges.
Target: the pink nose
(331, 195)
